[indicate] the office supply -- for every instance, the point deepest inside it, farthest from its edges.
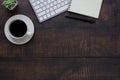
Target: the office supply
(90, 8)
(46, 9)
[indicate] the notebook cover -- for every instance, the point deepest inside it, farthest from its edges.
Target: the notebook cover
(90, 8)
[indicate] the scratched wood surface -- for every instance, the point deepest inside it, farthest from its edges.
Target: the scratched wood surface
(64, 37)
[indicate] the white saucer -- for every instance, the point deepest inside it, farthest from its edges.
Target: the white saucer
(28, 22)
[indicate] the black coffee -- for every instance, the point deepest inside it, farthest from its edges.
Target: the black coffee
(18, 28)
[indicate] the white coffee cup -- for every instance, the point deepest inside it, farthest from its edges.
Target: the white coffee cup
(16, 33)
(14, 29)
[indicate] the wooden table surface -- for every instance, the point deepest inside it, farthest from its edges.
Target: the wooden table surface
(64, 48)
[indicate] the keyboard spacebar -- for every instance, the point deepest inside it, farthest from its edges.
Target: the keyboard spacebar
(62, 9)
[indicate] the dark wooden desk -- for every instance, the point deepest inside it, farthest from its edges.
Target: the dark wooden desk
(63, 48)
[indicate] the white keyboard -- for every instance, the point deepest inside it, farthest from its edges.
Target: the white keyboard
(46, 9)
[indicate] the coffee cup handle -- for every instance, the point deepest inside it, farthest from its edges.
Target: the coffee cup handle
(29, 33)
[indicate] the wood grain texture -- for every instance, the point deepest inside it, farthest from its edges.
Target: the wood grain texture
(60, 69)
(64, 37)
(64, 48)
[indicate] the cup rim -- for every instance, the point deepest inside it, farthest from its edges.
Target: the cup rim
(12, 36)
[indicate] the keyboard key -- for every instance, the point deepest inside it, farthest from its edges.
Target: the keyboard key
(45, 3)
(44, 8)
(58, 1)
(55, 7)
(61, 9)
(52, 13)
(51, 4)
(41, 0)
(38, 2)
(55, 3)
(58, 5)
(36, 7)
(39, 10)
(41, 13)
(34, 4)
(48, 1)
(45, 17)
(41, 19)
(47, 11)
(41, 5)
(48, 15)
(51, 9)
(48, 6)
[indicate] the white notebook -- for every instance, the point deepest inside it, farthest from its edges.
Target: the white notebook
(89, 8)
